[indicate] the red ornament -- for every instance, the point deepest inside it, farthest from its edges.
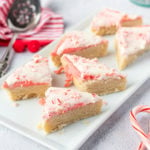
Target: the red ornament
(33, 46)
(19, 46)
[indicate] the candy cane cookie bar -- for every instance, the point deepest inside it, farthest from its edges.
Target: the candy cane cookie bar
(131, 43)
(63, 106)
(108, 21)
(90, 75)
(30, 80)
(81, 44)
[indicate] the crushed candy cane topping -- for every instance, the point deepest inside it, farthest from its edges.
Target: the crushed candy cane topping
(35, 72)
(60, 100)
(133, 40)
(76, 40)
(109, 17)
(89, 69)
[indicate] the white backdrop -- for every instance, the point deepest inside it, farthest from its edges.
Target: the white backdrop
(116, 133)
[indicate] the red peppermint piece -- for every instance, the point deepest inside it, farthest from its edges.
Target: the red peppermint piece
(42, 101)
(19, 46)
(59, 71)
(33, 46)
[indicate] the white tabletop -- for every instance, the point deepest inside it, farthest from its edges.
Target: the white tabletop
(116, 133)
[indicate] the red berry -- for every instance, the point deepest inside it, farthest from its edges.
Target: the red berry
(33, 46)
(19, 46)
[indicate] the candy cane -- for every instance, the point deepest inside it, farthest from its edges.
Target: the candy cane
(145, 138)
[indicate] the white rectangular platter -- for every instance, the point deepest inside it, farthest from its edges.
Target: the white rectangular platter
(24, 118)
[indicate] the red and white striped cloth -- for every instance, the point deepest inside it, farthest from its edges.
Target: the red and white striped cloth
(145, 138)
(49, 28)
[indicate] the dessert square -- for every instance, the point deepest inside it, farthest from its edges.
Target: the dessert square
(30, 80)
(131, 43)
(63, 106)
(91, 76)
(81, 44)
(108, 21)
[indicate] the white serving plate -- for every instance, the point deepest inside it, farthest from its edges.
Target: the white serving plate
(24, 118)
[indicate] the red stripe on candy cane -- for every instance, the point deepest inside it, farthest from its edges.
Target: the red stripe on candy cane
(145, 138)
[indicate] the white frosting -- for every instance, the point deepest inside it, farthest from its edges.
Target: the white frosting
(78, 39)
(37, 71)
(108, 17)
(92, 67)
(132, 40)
(59, 100)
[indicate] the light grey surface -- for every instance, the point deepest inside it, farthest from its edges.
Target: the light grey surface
(116, 133)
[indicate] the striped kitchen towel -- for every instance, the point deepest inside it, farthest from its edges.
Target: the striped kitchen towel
(50, 27)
